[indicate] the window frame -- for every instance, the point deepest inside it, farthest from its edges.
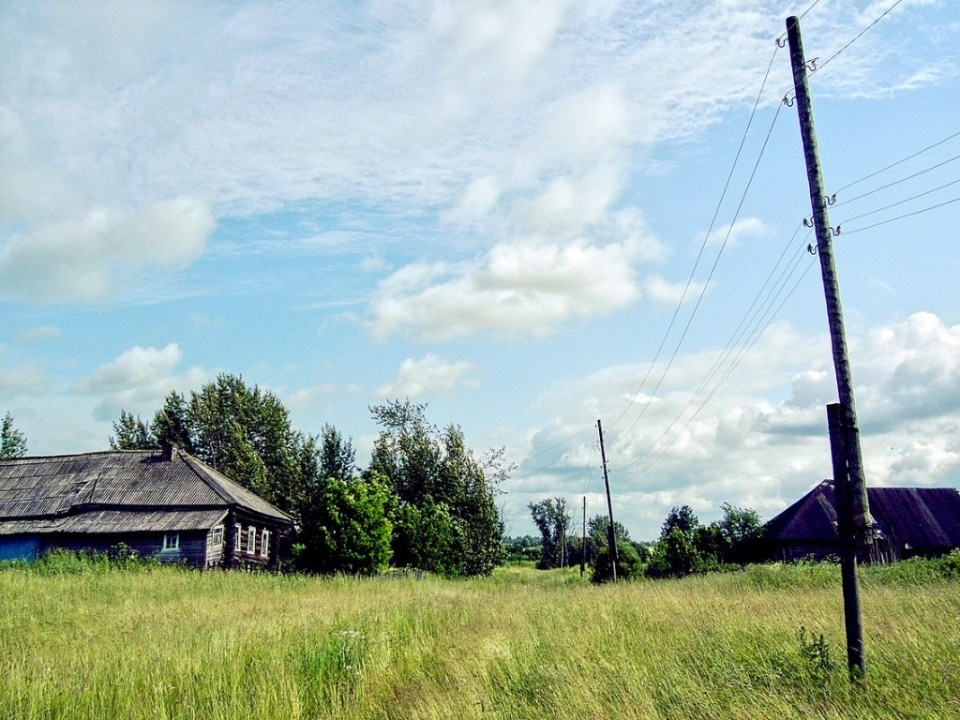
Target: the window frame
(238, 538)
(251, 539)
(171, 542)
(215, 538)
(264, 543)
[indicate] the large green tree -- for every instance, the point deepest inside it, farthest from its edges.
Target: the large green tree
(13, 444)
(445, 517)
(553, 521)
(241, 430)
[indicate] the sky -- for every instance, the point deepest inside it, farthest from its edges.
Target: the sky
(530, 216)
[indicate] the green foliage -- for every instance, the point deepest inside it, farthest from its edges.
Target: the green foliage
(132, 433)
(553, 521)
(675, 555)
(12, 442)
(629, 563)
(242, 431)
(121, 557)
(348, 529)
(817, 656)
(445, 516)
(682, 518)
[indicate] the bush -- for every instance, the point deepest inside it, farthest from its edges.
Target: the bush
(629, 564)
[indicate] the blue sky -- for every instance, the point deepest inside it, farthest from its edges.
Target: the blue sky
(493, 208)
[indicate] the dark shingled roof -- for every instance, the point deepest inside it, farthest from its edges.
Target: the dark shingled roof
(119, 491)
(918, 518)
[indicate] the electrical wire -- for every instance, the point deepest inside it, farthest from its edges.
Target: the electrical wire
(899, 202)
(898, 162)
(706, 238)
(856, 37)
(901, 217)
(897, 182)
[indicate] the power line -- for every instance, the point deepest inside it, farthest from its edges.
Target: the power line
(706, 238)
(898, 162)
(856, 37)
(901, 217)
(899, 202)
(897, 182)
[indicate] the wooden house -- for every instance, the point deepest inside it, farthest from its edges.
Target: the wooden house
(910, 522)
(161, 503)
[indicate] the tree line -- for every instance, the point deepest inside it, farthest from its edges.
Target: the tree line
(685, 545)
(425, 500)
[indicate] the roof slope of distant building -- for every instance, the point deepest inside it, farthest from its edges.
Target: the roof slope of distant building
(120, 491)
(914, 517)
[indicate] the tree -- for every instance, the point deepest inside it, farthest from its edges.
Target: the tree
(553, 521)
(349, 530)
(436, 479)
(132, 433)
(338, 458)
(13, 444)
(681, 517)
(629, 563)
(242, 431)
(741, 531)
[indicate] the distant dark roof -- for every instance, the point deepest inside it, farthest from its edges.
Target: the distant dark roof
(119, 491)
(923, 518)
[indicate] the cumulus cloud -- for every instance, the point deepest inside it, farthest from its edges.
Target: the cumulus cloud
(743, 445)
(667, 293)
(733, 234)
(87, 258)
(426, 376)
(138, 381)
(516, 289)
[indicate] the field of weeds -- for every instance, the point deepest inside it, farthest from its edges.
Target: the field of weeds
(93, 640)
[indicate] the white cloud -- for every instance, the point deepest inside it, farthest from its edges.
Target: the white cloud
(745, 446)
(732, 234)
(427, 376)
(668, 293)
(88, 258)
(516, 289)
(138, 381)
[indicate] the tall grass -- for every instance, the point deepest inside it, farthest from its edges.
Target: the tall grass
(159, 642)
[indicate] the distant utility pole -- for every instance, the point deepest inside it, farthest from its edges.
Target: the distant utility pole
(849, 480)
(606, 481)
(583, 540)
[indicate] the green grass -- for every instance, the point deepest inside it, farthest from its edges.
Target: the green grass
(159, 642)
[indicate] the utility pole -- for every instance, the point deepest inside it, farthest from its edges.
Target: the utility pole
(847, 535)
(849, 482)
(606, 482)
(583, 540)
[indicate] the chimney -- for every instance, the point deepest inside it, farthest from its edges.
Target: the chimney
(166, 451)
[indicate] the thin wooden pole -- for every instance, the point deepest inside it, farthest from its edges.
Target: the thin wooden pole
(606, 482)
(583, 540)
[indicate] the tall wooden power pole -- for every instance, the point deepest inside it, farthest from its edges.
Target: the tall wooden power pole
(606, 482)
(849, 483)
(583, 540)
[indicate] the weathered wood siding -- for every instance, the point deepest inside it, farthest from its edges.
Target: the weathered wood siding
(192, 548)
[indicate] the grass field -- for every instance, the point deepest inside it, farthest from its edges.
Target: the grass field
(151, 643)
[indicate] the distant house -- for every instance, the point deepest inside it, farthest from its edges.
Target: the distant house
(163, 503)
(911, 521)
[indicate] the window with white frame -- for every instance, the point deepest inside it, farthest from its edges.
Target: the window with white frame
(251, 539)
(237, 537)
(215, 538)
(265, 543)
(171, 542)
